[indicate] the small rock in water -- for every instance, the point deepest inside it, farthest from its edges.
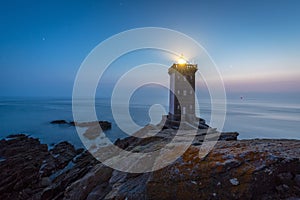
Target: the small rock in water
(58, 122)
(234, 181)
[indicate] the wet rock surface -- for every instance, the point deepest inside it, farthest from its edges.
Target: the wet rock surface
(245, 169)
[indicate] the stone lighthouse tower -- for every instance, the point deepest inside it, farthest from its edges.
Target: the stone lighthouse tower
(182, 96)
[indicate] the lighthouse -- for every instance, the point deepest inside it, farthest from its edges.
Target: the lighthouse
(182, 96)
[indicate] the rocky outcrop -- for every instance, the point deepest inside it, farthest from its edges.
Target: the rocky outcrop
(245, 169)
(94, 129)
(105, 125)
(255, 169)
(28, 170)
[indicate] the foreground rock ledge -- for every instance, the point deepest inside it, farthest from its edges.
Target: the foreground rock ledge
(246, 169)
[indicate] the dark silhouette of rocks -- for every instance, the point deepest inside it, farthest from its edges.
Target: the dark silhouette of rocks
(59, 122)
(105, 125)
(229, 136)
(245, 169)
(30, 171)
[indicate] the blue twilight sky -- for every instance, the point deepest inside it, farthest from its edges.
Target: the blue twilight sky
(255, 44)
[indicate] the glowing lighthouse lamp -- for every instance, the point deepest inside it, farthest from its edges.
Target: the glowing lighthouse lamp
(181, 61)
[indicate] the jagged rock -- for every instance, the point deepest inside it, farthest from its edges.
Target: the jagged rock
(20, 169)
(82, 188)
(28, 168)
(246, 169)
(63, 153)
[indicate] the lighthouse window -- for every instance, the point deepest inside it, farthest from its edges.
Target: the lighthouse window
(184, 92)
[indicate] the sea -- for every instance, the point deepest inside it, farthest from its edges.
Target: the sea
(276, 116)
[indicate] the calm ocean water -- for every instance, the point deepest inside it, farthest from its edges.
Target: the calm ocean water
(251, 117)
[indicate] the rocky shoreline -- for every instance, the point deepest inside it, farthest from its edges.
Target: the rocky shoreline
(244, 169)
(105, 125)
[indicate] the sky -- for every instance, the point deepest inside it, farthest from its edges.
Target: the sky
(255, 44)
